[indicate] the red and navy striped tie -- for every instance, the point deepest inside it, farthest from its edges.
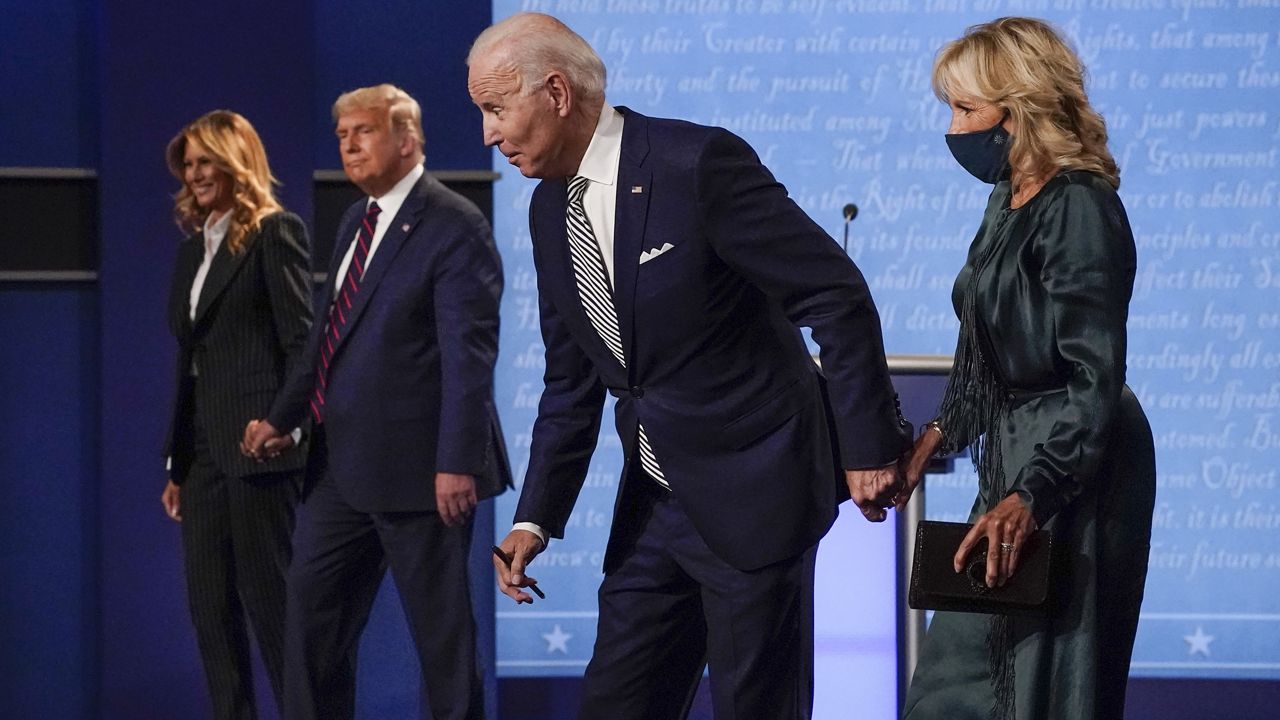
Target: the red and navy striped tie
(336, 326)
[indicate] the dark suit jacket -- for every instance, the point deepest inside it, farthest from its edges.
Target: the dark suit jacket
(409, 391)
(251, 324)
(750, 435)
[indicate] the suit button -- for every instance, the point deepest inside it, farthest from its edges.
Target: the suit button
(637, 392)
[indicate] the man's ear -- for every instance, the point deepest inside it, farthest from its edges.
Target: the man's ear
(408, 146)
(557, 87)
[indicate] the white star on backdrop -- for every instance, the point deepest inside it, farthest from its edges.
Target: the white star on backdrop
(1199, 643)
(557, 640)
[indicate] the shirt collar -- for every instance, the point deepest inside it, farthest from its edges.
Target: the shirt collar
(392, 199)
(215, 232)
(600, 162)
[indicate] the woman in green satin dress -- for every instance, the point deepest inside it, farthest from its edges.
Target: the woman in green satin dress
(1038, 389)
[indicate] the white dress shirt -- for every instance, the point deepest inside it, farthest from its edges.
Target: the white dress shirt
(390, 204)
(600, 201)
(600, 166)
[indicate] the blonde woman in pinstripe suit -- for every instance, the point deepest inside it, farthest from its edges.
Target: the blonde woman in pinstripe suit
(240, 310)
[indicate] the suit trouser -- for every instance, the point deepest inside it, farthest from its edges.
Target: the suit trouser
(236, 549)
(671, 608)
(340, 557)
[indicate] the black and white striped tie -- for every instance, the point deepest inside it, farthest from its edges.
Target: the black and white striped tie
(597, 298)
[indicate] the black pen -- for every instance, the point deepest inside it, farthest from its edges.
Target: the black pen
(497, 552)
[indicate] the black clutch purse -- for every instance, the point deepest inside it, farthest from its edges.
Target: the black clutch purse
(935, 585)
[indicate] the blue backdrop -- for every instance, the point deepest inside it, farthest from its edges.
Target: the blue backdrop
(835, 97)
(94, 616)
(833, 93)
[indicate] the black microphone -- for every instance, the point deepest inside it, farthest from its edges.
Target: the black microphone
(850, 212)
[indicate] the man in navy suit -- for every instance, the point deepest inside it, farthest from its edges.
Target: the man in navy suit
(400, 391)
(673, 271)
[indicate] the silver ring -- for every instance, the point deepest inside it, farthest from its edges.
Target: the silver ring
(1006, 547)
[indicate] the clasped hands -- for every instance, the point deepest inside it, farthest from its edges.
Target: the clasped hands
(874, 490)
(263, 442)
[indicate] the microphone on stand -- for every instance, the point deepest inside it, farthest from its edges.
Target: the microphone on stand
(850, 212)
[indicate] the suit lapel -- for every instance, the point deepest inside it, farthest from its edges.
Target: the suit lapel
(190, 253)
(553, 243)
(553, 235)
(630, 214)
(223, 268)
(398, 231)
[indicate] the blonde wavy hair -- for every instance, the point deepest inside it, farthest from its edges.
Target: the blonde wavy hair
(1023, 66)
(236, 150)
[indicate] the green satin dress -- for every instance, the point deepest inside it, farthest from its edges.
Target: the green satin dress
(1051, 298)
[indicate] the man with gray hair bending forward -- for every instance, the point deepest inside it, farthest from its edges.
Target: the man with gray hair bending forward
(674, 273)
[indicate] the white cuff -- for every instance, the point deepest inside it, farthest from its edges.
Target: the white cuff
(533, 528)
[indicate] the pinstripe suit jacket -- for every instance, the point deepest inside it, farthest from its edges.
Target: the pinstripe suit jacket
(250, 326)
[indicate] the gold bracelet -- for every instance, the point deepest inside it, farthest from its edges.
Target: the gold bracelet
(936, 427)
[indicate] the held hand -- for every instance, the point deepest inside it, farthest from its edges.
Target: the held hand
(520, 547)
(246, 442)
(170, 499)
(256, 435)
(455, 498)
(273, 447)
(913, 464)
(873, 489)
(1006, 527)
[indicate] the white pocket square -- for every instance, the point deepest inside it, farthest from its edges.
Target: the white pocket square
(648, 255)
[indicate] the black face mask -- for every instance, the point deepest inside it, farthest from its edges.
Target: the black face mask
(984, 154)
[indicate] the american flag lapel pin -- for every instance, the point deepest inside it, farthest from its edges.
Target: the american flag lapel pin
(637, 189)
